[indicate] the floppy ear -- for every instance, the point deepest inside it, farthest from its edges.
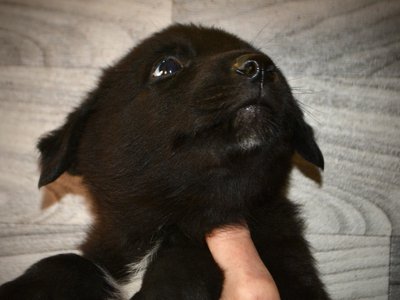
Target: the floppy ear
(58, 148)
(306, 146)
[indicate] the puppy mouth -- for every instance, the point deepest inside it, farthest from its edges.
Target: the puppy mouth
(251, 125)
(244, 127)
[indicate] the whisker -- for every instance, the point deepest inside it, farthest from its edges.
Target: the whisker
(302, 91)
(259, 33)
(309, 111)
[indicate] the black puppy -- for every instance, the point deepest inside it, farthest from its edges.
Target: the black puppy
(192, 130)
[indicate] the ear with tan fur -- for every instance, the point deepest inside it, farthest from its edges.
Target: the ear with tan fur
(58, 148)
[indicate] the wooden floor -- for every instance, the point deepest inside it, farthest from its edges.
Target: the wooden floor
(342, 59)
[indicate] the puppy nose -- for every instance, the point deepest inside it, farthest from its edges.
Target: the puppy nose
(252, 66)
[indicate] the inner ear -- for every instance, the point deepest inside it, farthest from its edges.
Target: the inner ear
(305, 145)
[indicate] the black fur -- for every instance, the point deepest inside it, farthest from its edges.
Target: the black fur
(169, 158)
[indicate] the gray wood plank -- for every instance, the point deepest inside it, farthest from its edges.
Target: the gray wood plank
(33, 242)
(32, 102)
(357, 123)
(337, 38)
(353, 267)
(75, 33)
(394, 292)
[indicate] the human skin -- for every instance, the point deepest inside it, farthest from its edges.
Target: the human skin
(245, 275)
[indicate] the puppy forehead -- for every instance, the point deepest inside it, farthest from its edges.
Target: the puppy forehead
(195, 41)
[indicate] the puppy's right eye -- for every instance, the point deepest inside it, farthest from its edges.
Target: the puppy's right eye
(167, 67)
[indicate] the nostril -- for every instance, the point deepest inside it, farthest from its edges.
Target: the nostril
(254, 66)
(249, 68)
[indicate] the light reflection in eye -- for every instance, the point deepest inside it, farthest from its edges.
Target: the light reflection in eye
(167, 67)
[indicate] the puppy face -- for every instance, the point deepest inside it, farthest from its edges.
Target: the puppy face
(190, 108)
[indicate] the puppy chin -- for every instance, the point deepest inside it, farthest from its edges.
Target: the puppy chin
(252, 128)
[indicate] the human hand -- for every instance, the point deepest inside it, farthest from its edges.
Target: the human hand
(246, 277)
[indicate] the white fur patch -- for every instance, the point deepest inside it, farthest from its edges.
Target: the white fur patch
(117, 295)
(134, 283)
(250, 141)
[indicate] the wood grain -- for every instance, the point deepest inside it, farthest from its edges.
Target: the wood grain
(395, 268)
(357, 123)
(353, 267)
(337, 38)
(73, 33)
(32, 102)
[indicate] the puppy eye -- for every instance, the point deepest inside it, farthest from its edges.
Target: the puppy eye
(166, 67)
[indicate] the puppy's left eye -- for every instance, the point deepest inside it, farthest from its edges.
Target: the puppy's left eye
(166, 67)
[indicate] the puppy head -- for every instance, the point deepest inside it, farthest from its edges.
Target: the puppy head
(188, 107)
